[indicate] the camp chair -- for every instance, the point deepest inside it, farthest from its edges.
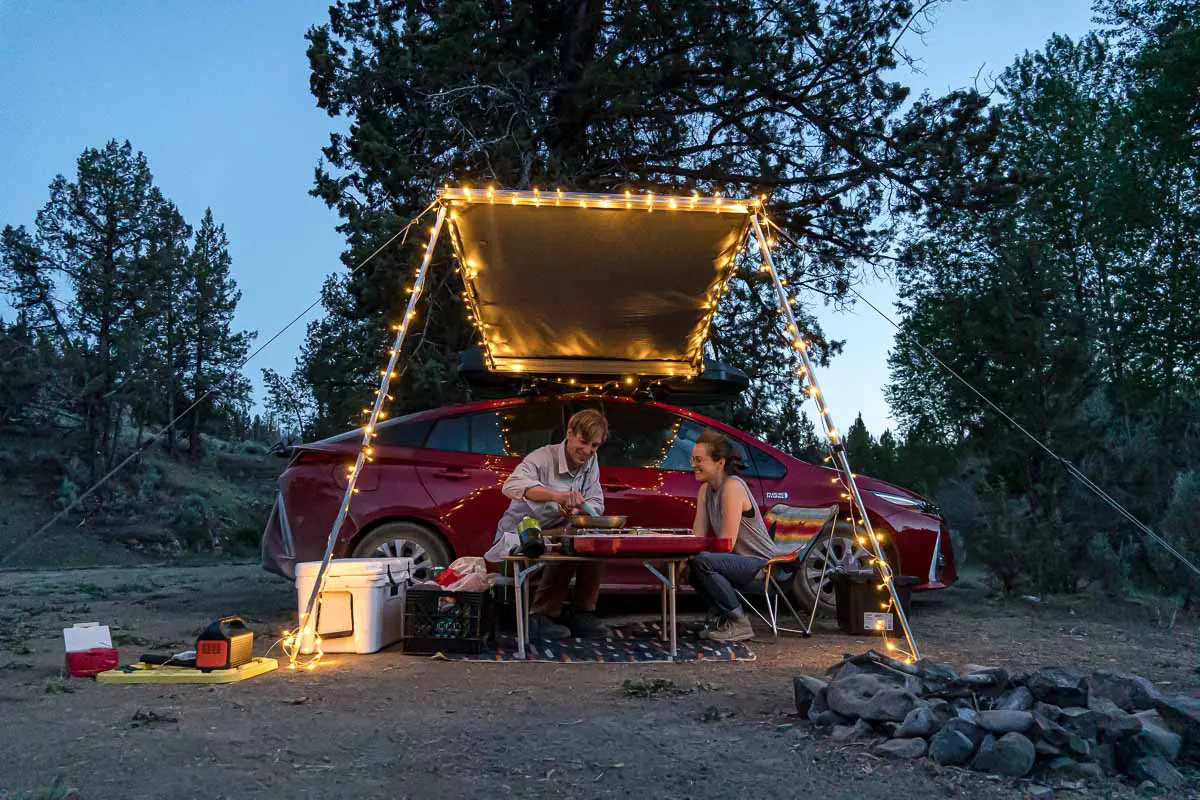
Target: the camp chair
(773, 593)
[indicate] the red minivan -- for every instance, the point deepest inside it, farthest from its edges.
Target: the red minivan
(433, 490)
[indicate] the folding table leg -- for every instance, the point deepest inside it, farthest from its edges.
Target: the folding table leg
(674, 621)
(663, 607)
(519, 601)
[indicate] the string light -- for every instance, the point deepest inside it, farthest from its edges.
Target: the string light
(294, 642)
(837, 456)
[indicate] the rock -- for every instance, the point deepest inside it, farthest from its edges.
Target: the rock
(805, 688)
(927, 668)
(1106, 756)
(969, 714)
(968, 729)
(982, 680)
(935, 677)
(1018, 699)
(818, 705)
(1157, 738)
(1081, 722)
(919, 722)
(899, 679)
(1060, 686)
(901, 748)
(950, 747)
(1046, 750)
(1050, 732)
(887, 728)
(1182, 713)
(1112, 722)
(1047, 710)
(851, 695)
(999, 722)
(891, 705)
(1157, 769)
(1078, 746)
(846, 733)
(1127, 692)
(1070, 769)
(1012, 755)
(1039, 792)
(828, 717)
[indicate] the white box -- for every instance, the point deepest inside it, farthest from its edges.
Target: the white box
(361, 609)
(85, 636)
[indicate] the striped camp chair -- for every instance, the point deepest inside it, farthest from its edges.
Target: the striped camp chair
(773, 593)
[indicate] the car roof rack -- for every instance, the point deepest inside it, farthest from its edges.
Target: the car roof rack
(717, 383)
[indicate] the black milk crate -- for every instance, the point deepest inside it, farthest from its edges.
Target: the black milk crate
(860, 602)
(447, 622)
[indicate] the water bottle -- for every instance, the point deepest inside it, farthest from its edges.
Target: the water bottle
(530, 534)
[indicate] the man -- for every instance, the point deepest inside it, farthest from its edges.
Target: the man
(550, 484)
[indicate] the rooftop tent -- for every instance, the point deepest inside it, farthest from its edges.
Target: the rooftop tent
(565, 283)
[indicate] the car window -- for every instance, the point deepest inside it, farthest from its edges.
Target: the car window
(402, 434)
(638, 436)
(517, 430)
(449, 433)
(680, 455)
(767, 466)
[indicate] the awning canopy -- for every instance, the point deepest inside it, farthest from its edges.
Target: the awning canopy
(569, 283)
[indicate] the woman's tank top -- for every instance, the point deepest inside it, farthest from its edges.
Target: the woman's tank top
(752, 537)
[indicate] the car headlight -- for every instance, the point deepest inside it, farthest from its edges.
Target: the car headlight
(906, 502)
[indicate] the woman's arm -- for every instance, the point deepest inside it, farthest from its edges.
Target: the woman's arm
(700, 524)
(733, 502)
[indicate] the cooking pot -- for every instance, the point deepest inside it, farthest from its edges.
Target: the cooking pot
(589, 521)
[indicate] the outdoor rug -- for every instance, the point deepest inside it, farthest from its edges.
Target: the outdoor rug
(636, 643)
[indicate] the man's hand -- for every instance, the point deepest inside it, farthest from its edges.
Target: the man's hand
(570, 502)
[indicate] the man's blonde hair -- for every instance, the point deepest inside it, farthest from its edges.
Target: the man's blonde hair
(590, 423)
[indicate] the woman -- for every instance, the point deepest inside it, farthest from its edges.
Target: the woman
(726, 509)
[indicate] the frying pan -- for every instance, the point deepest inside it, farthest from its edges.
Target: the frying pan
(589, 521)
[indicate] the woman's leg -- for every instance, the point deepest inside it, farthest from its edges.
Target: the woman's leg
(716, 576)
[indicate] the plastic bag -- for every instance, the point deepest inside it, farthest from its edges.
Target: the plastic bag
(468, 565)
(475, 582)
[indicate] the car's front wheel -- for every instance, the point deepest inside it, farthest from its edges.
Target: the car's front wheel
(812, 581)
(406, 540)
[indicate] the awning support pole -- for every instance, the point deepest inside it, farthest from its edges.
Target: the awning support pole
(837, 449)
(307, 630)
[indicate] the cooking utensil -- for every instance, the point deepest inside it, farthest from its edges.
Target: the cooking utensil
(590, 521)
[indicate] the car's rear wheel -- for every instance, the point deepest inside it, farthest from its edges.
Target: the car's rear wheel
(406, 540)
(812, 581)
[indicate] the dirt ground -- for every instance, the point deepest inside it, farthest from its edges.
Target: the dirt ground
(396, 726)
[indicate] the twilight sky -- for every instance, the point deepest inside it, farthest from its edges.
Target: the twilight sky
(216, 95)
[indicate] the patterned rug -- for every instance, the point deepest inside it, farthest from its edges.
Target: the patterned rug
(626, 644)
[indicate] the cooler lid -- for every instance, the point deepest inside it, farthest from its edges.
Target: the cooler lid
(355, 567)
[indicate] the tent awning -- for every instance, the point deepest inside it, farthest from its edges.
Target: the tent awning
(569, 283)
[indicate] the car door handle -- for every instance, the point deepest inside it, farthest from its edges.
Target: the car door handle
(614, 487)
(452, 474)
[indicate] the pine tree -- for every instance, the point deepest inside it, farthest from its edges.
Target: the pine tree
(91, 243)
(740, 98)
(164, 331)
(210, 299)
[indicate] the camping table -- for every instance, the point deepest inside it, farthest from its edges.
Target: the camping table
(524, 567)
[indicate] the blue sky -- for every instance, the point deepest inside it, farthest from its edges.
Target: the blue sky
(216, 95)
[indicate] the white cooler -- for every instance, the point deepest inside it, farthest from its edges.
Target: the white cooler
(361, 609)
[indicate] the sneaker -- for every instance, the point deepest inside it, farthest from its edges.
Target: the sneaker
(732, 630)
(587, 625)
(542, 627)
